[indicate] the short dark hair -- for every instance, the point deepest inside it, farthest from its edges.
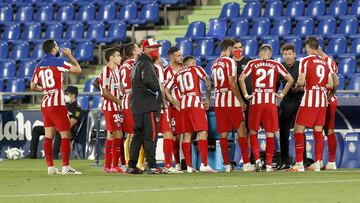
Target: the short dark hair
(287, 47)
(48, 45)
(226, 43)
(109, 52)
(237, 40)
(72, 90)
(172, 50)
(129, 49)
(188, 58)
(312, 42)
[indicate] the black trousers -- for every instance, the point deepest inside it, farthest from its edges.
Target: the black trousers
(287, 114)
(146, 134)
(38, 131)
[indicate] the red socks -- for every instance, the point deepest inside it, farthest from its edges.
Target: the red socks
(48, 152)
(176, 151)
(108, 153)
(122, 152)
(269, 150)
(167, 148)
(319, 145)
(299, 146)
(203, 148)
(243, 143)
(332, 147)
(225, 150)
(255, 146)
(186, 148)
(116, 150)
(65, 151)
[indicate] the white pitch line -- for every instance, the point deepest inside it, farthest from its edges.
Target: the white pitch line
(22, 169)
(177, 188)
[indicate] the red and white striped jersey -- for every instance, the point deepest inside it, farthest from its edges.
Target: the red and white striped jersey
(334, 68)
(169, 74)
(125, 81)
(222, 69)
(187, 80)
(316, 72)
(48, 74)
(110, 79)
(264, 75)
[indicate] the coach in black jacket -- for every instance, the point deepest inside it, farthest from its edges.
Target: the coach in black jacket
(145, 104)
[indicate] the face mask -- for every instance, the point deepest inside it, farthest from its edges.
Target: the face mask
(154, 54)
(237, 53)
(67, 99)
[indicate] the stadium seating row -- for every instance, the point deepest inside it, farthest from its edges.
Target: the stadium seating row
(100, 2)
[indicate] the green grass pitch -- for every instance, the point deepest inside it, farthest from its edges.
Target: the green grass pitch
(27, 181)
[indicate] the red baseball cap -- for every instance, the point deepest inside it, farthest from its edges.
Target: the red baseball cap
(150, 43)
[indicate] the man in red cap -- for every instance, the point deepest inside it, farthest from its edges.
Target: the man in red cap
(145, 104)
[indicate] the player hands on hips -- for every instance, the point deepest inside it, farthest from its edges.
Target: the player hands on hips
(317, 77)
(264, 73)
(109, 82)
(48, 78)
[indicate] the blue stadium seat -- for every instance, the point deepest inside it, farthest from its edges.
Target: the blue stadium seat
(349, 25)
(74, 30)
(37, 51)
(54, 31)
(205, 48)
(26, 70)
(208, 72)
(282, 26)
(338, 8)
(250, 47)
(355, 46)
(196, 29)
(65, 13)
(185, 46)
(336, 46)
(261, 27)
(304, 26)
(217, 28)
(84, 51)
(63, 44)
(347, 66)
(86, 13)
(326, 26)
(128, 12)
(165, 45)
(4, 49)
(274, 42)
(149, 14)
(20, 50)
(355, 9)
(14, 85)
(6, 14)
(354, 83)
(230, 10)
(95, 31)
(11, 31)
(351, 153)
(83, 101)
(88, 87)
(341, 85)
(315, 9)
(238, 27)
(273, 9)
(117, 32)
(1, 85)
(107, 12)
(32, 31)
(24, 14)
(251, 10)
(7, 69)
(295, 9)
(96, 102)
(44, 13)
(296, 41)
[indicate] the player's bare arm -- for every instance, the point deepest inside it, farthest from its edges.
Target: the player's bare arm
(75, 67)
(35, 87)
(235, 89)
(106, 93)
(95, 83)
(301, 80)
(208, 92)
(171, 99)
(243, 86)
(289, 84)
